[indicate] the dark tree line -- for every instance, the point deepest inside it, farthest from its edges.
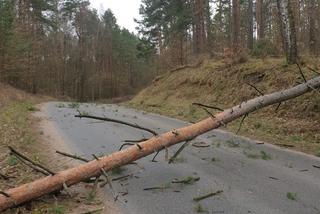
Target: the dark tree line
(64, 48)
(182, 28)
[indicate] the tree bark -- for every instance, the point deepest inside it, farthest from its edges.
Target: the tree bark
(283, 26)
(293, 47)
(209, 29)
(235, 26)
(38, 188)
(312, 26)
(260, 19)
(250, 25)
(199, 11)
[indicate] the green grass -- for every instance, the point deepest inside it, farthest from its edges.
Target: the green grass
(251, 154)
(58, 210)
(32, 108)
(118, 170)
(292, 196)
(179, 159)
(12, 161)
(15, 124)
(189, 180)
(296, 138)
(60, 105)
(265, 156)
(91, 196)
(84, 113)
(232, 144)
(257, 155)
(74, 105)
(199, 209)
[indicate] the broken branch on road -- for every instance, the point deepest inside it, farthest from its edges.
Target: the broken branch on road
(73, 156)
(200, 198)
(174, 157)
(200, 145)
(187, 180)
(117, 121)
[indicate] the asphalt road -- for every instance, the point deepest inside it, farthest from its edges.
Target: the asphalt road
(254, 178)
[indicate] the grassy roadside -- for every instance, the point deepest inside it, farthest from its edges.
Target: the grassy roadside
(223, 84)
(19, 129)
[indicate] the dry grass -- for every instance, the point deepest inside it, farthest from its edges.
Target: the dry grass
(19, 130)
(222, 84)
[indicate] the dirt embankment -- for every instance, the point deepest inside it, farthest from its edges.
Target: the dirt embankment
(222, 84)
(27, 129)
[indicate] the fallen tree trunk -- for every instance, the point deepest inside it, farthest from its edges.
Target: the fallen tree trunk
(38, 188)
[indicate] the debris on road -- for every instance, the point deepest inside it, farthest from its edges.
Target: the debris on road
(208, 195)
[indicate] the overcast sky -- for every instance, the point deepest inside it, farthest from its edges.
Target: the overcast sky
(124, 10)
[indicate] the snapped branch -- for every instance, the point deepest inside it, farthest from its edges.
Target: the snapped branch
(117, 121)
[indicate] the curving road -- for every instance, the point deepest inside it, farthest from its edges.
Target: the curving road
(255, 178)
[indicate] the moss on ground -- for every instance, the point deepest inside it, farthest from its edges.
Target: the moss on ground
(222, 84)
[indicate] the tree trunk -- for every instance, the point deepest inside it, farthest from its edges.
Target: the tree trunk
(283, 26)
(38, 188)
(250, 25)
(236, 26)
(312, 26)
(293, 47)
(260, 19)
(199, 26)
(209, 41)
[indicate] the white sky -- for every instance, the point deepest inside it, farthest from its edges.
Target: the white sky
(124, 10)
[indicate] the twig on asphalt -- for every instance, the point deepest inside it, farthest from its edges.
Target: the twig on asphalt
(207, 195)
(73, 156)
(122, 177)
(154, 157)
(274, 178)
(156, 188)
(188, 180)
(105, 174)
(200, 145)
(117, 121)
(174, 157)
